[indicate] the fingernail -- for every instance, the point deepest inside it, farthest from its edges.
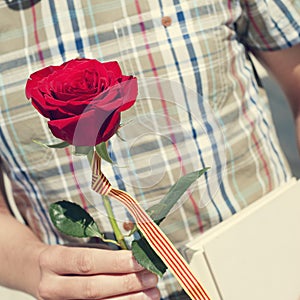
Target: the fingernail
(149, 279)
(152, 294)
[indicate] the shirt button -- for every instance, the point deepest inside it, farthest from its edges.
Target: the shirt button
(166, 21)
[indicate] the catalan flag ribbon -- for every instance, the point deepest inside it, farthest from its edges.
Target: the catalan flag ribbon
(154, 235)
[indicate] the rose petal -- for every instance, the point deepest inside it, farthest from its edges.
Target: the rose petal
(37, 76)
(109, 127)
(129, 92)
(119, 97)
(83, 99)
(60, 110)
(113, 67)
(39, 102)
(87, 129)
(80, 76)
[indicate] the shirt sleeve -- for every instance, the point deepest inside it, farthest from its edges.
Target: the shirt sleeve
(268, 24)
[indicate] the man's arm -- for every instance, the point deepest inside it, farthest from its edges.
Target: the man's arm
(44, 271)
(284, 66)
(19, 253)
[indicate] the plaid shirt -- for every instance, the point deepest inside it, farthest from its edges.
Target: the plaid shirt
(199, 105)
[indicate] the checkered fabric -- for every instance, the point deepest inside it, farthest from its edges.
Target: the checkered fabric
(199, 105)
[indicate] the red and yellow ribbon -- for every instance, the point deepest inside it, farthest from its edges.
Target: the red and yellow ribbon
(154, 235)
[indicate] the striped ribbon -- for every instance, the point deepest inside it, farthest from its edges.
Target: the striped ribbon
(154, 235)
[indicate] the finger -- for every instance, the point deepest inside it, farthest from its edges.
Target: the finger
(91, 245)
(96, 287)
(87, 261)
(152, 294)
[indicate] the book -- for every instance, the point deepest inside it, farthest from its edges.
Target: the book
(255, 254)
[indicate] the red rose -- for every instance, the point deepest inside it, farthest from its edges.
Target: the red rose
(82, 99)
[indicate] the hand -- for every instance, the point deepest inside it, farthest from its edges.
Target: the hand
(86, 273)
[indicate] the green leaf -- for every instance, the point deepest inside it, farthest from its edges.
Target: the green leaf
(101, 149)
(82, 150)
(70, 219)
(159, 211)
(59, 145)
(147, 258)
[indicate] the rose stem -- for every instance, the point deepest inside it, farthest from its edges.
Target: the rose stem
(118, 234)
(114, 224)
